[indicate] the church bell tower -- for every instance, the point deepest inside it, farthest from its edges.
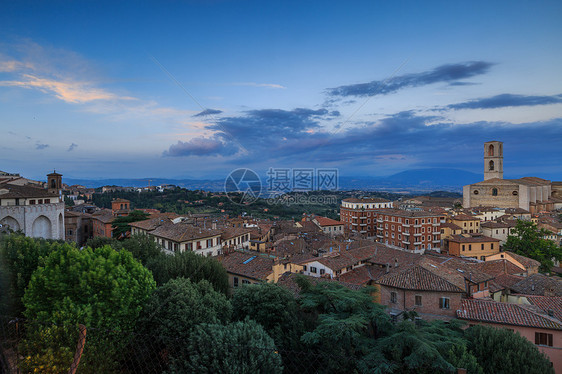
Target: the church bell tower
(493, 160)
(54, 183)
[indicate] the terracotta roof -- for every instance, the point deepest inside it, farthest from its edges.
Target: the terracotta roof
(150, 224)
(498, 267)
(248, 265)
(104, 215)
(505, 313)
(419, 278)
(539, 284)
(362, 275)
(233, 232)
(548, 304)
(525, 261)
(407, 213)
(495, 225)
(464, 217)
(503, 281)
(451, 226)
(13, 191)
(182, 232)
(325, 221)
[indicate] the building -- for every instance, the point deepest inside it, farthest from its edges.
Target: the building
(472, 245)
(528, 264)
(498, 230)
(538, 327)
(181, 237)
(468, 224)
(412, 230)
(529, 193)
(78, 227)
(36, 211)
(329, 226)
(337, 263)
(358, 214)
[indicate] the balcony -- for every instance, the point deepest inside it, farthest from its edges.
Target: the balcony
(436, 224)
(354, 223)
(363, 231)
(406, 225)
(362, 224)
(417, 225)
(379, 220)
(417, 234)
(436, 232)
(417, 243)
(436, 241)
(405, 242)
(380, 236)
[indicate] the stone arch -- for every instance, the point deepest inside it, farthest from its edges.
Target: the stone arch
(491, 164)
(491, 150)
(11, 223)
(42, 228)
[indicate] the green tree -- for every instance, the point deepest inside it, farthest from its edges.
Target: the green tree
(240, 347)
(348, 322)
(20, 256)
(143, 248)
(503, 351)
(98, 288)
(189, 265)
(101, 288)
(174, 310)
(527, 240)
(433, 347)
(273, 307)
(121, 224)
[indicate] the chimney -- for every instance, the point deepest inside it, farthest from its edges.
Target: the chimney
(387, 268)
(395, 262)
(214, 226)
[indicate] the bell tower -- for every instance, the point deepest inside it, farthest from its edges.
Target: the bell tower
(54, 183)
(493, 160)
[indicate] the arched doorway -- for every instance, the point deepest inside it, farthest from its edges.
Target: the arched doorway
(10, 223)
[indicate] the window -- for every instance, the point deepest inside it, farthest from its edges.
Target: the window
(47, 201)
(482, 246)
(491, 165)
(235, 281)
(31, 202)
(418, 301)
(190, 246)
(304, 268)
(463, 247)
(393, 317)
(313, 269)
(475, 192)
(542, 338)
(393, 297)
(470, 247)
(492, 245)
(444, 303)
(322, 271)
(514, 193)
(209, 243)
(245, 281)
(494, 192)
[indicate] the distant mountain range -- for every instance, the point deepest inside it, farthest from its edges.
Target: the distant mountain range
(416, 180)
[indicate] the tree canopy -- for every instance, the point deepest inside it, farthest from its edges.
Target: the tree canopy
(121, 224)
(528, 240)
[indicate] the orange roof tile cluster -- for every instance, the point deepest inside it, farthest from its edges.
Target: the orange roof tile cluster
(505, 313)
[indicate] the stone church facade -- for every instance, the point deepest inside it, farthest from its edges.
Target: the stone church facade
(529, 193)
(36, 211)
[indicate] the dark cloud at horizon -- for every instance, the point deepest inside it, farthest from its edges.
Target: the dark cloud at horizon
(507, 100)
(200, 147)
(450, 73)
(207, 112)
(72, 147)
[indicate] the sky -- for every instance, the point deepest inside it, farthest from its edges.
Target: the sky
(195, 89)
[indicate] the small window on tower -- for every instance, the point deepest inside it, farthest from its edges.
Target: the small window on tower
(494, 192)
(491, 165)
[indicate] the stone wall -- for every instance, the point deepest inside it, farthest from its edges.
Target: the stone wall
(41, 221)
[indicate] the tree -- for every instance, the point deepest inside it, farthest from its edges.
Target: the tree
(240, 347)
(273, 307)
(189, 265)
(424, 347)
(143, 248)
(20, 257)
(174, 310)
(98, 288)
(121, 224)
(103, 289)
(503, 351)
(528, 240)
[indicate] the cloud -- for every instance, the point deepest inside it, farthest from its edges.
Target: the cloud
(207, 112)
(253, 84)
(507, 100)
(72, 147)
(451, 73)
(40, 146)
(200, 147)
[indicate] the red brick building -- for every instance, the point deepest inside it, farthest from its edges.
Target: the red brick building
(413, 230)
(358, 215)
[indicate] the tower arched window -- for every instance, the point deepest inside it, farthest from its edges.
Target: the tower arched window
(491, 150)
(494, 192)
(53, 183)
(491, 165)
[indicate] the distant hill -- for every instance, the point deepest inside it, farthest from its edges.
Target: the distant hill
(416, 180)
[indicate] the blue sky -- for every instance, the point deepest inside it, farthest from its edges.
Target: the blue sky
(197, 88)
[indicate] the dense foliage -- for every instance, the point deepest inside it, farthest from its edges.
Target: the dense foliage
(528, 240)
(121, 224)
(503, 351)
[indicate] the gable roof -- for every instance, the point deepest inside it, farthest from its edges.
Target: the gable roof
(538, 284)
(248, 265)
(325, 221)
(505, 313)
(419, 278)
